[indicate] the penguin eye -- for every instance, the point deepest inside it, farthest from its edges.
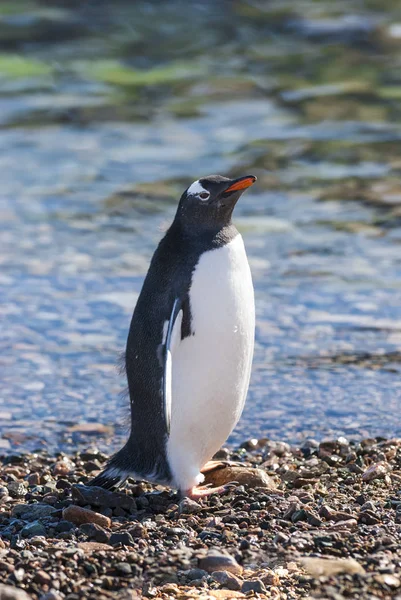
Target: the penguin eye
(204, 195)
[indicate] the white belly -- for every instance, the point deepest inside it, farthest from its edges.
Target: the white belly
(211, 369)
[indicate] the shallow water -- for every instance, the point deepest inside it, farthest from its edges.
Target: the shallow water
(103, 124)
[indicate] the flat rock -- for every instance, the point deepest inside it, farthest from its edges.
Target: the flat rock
(31, 512)
(90, 547)
(324, 567)
(217, 561)
(227, 472)
(78, 515)
(97, 496)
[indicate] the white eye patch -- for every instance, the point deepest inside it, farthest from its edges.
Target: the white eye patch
(196, 189)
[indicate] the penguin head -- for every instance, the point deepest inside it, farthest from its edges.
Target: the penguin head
(210, 201)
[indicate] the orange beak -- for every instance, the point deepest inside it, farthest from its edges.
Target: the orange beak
(241, 184)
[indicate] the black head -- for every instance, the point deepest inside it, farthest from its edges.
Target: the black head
(209, 202)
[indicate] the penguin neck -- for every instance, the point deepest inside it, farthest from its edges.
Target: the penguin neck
(210, 236)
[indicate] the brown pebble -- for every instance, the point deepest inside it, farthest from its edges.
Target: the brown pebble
(33, 479)
(42, 578)
(376, 471)
(227, 579)
(90, 547)
(79, 515)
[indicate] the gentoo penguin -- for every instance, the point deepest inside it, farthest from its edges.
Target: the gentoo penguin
(190, 345)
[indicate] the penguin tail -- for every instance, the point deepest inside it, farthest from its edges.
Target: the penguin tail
(116, 472)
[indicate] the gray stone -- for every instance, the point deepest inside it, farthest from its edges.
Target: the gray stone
(217, 561)
(188, 507)
(17, 489)
(193, 574)
(52, 595)
(123, 538)
(32, 512)
(95, 532)
(33, 529)
(97, 496)
(123, 569)
(253, 585)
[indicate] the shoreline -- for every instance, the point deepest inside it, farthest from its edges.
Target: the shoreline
(319, 521)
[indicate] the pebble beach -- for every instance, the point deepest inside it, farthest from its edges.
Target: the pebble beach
(316, 521)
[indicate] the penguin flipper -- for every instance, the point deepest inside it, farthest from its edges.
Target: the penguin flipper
(172, 337)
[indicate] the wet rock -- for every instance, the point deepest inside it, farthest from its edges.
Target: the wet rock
(253, 585)
(8, 592)
(228, 580)
(97, 496)
(217, 561)
(326, 567)
(78, 515)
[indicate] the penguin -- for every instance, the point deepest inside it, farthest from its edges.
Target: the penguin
(190, 344)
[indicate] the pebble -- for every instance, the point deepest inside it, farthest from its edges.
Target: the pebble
(319, 567)
(216, 561)
(228, 472)
(33, 529)
(227, 580)
(42, 577)
(8, 592)
(123, 538)
(187, 506)
(33, 479)
(16, 489)
(31, 512)
(193, 574)
(253, 585)
(123, 569)
(95, 532)
(79, 515)
(52, 595)
(97, 496)
(375, 471)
